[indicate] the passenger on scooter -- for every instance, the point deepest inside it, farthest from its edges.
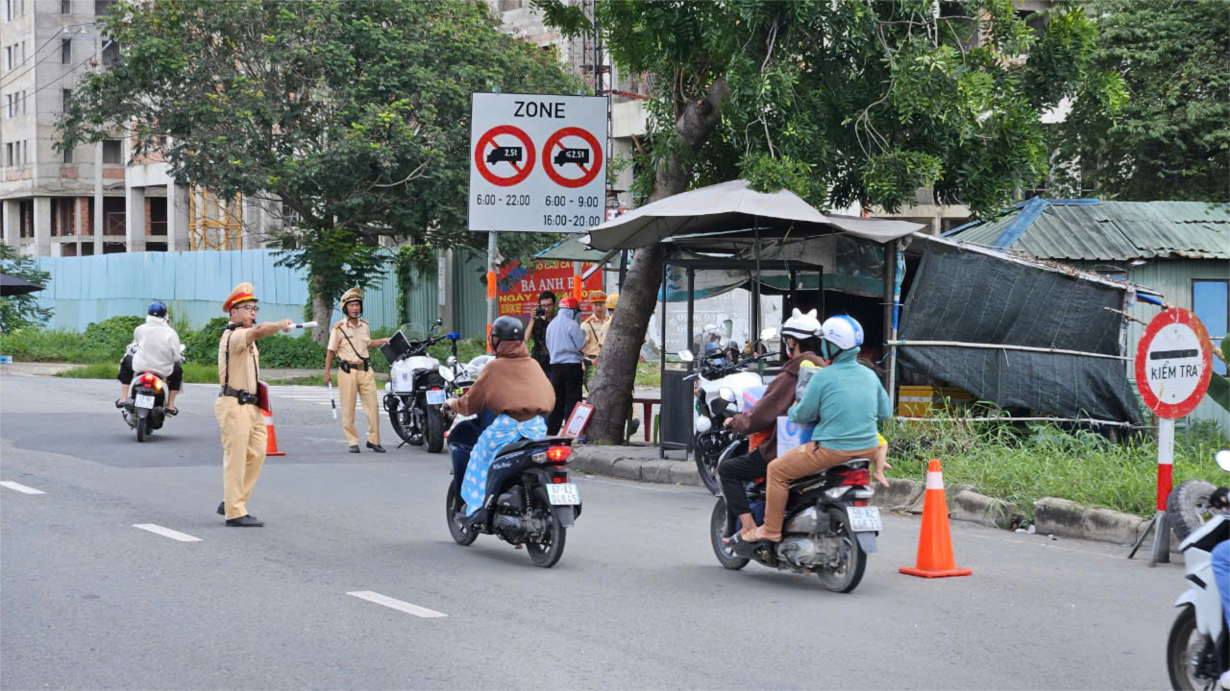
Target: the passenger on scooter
(509, 398)
(847, 401)
(800, 341)
(157, 350)
(1220, 501)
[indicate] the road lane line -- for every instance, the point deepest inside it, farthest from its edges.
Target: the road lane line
(397, 604)
(166, 532)
(21, 488)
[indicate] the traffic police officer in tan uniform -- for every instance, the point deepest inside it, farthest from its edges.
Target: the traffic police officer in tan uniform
(350, 340)
(237, 408)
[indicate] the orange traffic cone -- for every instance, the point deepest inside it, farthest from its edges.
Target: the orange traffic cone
(935, 542)
(271, 441)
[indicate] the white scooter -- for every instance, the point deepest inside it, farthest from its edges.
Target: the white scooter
(1198, 651)
(721, 381)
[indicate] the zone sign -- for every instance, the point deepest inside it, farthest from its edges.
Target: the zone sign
(1174, 361)
(537, 162)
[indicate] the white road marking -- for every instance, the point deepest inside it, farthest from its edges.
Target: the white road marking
(397, 604)
(21, 488)
(166, 532)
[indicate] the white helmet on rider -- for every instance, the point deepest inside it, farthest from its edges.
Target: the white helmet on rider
(801, 326)
(843, 332)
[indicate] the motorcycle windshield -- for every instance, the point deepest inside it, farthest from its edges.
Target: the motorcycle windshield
(414, 332)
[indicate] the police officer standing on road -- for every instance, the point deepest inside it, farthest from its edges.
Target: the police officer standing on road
(594, 328)
(238, 406)
(351, 340)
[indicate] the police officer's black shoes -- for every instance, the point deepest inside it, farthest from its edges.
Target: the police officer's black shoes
(375, 447)
(354, 449)
(248, 521)
(222, 508)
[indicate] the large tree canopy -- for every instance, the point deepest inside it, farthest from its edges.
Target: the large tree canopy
(1171, 140)
(354, 114)
(862, 101)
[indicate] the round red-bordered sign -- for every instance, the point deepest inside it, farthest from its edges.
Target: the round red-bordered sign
(1174, 343)
(480, 156)
(549, 164)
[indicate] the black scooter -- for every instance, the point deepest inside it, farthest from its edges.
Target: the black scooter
(529, 499)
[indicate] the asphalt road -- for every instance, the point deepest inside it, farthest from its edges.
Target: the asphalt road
(88, 601)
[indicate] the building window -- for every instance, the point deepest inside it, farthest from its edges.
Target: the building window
(8, 106)
(66, 6)
(8, 10)
(25, 152)
(8, 154)
(102, 7)
(68, 155)
(23, 102)
(113, 152)
(66, 95)
(1211, 303)
(8, 58)
(66, 51)
(111, 53)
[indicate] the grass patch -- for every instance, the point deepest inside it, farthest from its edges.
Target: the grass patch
(648, 374)
(193, 373)
(1022, 464)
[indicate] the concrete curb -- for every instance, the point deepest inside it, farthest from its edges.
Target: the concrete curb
(1052, 516)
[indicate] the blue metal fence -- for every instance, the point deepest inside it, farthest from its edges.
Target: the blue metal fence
(193, 284)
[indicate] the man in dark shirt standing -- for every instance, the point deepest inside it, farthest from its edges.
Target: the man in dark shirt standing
(538, 331)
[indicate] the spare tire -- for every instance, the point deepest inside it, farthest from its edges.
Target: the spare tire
(1188, 507)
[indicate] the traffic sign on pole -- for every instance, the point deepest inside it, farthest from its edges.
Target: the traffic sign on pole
(537, 162)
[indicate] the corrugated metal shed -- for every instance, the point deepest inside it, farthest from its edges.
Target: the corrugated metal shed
(1109, 231)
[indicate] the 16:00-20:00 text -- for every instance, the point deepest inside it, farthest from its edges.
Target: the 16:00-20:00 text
(564, 220)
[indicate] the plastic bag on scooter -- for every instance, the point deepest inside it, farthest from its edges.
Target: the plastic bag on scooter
(791, 434)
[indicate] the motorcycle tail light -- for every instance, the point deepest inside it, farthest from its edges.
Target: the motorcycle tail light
(857, 477)
(559, 478)
(559, 454)
(157, 385)
(861, 502)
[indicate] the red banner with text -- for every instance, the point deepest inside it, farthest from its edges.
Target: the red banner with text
(519, 288)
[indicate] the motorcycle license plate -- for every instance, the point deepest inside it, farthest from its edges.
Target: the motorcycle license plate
(144, 401)
(564, 494)
(864, 519)
(435, 397)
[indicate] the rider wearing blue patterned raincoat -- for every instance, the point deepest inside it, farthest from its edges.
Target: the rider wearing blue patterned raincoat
(509, 399)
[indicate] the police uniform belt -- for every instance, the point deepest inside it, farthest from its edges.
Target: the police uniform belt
(347, 366)
(244, 397)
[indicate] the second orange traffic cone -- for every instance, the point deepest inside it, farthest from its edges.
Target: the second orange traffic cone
(271, 440)
(935, 542)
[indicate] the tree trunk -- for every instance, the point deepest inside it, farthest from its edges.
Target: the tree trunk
(322, 312)
(616, 375)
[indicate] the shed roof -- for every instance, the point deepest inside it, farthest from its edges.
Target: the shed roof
(1090, 229)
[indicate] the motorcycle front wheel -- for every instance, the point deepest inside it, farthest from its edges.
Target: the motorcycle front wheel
(717, 533)
(1185, 645)
(849, 572)
(548, 551)
(1187, 507)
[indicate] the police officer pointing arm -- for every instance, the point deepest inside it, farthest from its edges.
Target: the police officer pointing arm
(350, 340)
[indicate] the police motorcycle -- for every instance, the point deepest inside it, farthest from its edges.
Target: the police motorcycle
(722, 374)
(1198, 649)
(418, 386)
(145, 410)
(829, 530)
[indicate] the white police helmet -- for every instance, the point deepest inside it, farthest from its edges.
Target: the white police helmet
(842, 331)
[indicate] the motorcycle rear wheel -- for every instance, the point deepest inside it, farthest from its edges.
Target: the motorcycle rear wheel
(142, 428)
(1184, 644)
(847, 577)
(717, 532)
(547, 553)
(452, 508)
(435, 429)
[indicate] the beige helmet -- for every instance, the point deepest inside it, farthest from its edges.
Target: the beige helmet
(612, 300)
(352, 295)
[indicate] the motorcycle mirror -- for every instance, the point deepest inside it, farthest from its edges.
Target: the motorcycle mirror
(727, 393)
(686, 355)
(768, 334)
(446, 373)
(729, 327)
(452, 359)
(1223, 459)
(439, 322)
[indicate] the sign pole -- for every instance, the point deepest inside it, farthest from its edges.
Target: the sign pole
(493, 305)
(1165, 467)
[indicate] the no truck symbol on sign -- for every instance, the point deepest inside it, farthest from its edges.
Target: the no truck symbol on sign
(1174, 362)
(488, 153)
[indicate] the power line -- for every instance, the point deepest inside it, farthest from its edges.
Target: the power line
(63, 29)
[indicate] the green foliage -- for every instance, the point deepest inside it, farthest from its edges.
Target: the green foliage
(194, 373)
(22, 311)
(353, 114)
(1022, 465)
(769, 175)
(112, 336)
(1154, 124)
(875, 99)
(408, 262)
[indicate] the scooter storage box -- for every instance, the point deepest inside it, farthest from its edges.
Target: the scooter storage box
(790, 434)
(396, 347)
(752, 396)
